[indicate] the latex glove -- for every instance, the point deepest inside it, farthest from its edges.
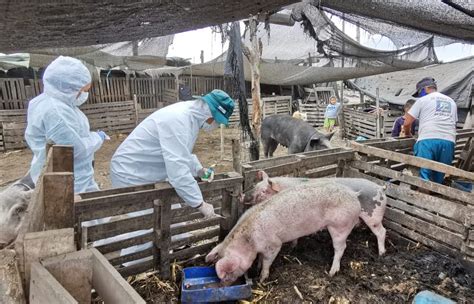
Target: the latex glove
(103, 135)
(207, 210)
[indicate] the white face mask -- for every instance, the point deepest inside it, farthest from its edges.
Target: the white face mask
(81, 98)
(209, 127)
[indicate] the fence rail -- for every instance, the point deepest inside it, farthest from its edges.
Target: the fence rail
(152, 93)
(162, 223)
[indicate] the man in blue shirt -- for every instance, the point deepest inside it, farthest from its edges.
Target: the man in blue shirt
(397, 129)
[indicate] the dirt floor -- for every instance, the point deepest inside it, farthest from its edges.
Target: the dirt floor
(15, 164)
(364, 277)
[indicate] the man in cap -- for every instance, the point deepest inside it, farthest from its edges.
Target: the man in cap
(437, 115)
(160, 148)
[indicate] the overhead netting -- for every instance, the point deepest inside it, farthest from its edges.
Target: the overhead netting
(400, 36)
(140, 55)
(334, 43)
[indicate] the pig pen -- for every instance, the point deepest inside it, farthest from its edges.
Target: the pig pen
(429, 245)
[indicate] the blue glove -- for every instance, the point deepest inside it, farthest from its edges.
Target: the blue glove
(103, 135)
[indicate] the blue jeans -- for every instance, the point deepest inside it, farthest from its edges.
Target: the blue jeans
(439, 150)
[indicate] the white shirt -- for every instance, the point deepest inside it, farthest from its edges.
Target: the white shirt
(438, 115)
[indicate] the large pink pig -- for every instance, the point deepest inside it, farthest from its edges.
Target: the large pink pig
(372, 198)
(287, 216)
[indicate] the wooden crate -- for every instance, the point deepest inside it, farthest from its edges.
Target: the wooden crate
(160, 223)
(271, 105)
(113, 117)
(202, 85)
(315, 113)
(14, 121)
(12, 94)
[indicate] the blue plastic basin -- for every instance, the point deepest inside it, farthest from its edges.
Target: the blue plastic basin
(201, 285)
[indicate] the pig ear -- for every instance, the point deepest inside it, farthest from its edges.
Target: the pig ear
(261, 175)
(275, 186)
(213, 255)
(227, 265)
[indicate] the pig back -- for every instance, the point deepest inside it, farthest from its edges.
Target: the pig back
(303, 209)
(287, 130)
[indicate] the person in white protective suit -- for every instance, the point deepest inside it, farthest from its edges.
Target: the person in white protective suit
(54, 116)
(160, 148)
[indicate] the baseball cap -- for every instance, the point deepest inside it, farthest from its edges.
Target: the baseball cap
(425, 82)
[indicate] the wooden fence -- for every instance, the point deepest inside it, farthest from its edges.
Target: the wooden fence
(271, 105)
(314, 112)
(121, 116)
(443, 221)
(160, 222)
(151, 92)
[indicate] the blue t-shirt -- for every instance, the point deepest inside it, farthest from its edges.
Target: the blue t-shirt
(331, 110)
(397, 126)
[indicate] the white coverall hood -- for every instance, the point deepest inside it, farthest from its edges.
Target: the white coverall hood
(53, 116)
(64, 77)
(161, 148)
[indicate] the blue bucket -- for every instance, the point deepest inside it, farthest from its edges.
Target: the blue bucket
(201, 285)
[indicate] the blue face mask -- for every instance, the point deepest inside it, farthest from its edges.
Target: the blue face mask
(423, 92)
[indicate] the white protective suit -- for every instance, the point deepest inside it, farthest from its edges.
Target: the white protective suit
(161, 147)
(53, 116)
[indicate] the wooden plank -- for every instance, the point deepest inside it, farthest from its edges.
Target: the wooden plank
(100, 212)
(191, 252)
(435, 232)
(121, 226)
(46, 289)
(413, 161)
(195, 226)
(164, 233)
(430, 217)
(136, 268)
(449, 209)
(58, 200)
(125, 243)
(109, 284)
(138, 255)
(415, 181)
(189, 215)
(11, 287)
(417, 237)
(196, 237)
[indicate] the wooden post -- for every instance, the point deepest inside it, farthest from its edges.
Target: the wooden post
(377, 109)
(63, 159)
(236, 155)
(226, 210)
(202, 56)
(253, 55)
(58, 200)
(222, 140)
(135, 105)
(165, 239)
(157, 233)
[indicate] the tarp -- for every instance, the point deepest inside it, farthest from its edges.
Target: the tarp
(454, 79)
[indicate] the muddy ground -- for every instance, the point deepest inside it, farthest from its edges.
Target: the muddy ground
(364, 277)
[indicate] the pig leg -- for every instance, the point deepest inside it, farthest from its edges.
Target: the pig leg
(375, 225)
(339, 236)
(269, 146)
(267, 259)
